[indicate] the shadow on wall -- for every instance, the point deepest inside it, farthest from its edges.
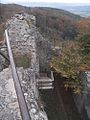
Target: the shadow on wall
(23, 61)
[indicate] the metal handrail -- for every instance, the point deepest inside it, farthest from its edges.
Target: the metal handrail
(20, 96)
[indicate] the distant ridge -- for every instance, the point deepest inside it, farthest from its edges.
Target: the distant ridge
(8, 10)
(82, 9)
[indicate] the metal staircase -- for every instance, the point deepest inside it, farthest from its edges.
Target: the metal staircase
(45, 81)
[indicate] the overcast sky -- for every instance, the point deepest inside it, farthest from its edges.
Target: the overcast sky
(22, 2)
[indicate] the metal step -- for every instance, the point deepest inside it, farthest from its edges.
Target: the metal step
(46, 88)
(45, 80)
(46, 84)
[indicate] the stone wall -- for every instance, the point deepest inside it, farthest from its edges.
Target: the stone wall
(83, 100)
(21, 34)
(1, 63)
(45, 52)
(23, 37)
(87, 103)
(9, 108)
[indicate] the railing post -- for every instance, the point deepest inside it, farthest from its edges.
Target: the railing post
(20, 96)
(52, 76)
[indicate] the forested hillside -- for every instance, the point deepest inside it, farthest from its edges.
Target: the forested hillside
(55, 24)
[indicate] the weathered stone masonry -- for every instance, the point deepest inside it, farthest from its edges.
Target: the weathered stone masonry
(23, 35)
(83, 100)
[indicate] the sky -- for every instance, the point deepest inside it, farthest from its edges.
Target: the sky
(58, 1)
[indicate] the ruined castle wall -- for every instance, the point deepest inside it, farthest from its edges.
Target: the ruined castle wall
(21, 30)
(23, 38)
(83, 100)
